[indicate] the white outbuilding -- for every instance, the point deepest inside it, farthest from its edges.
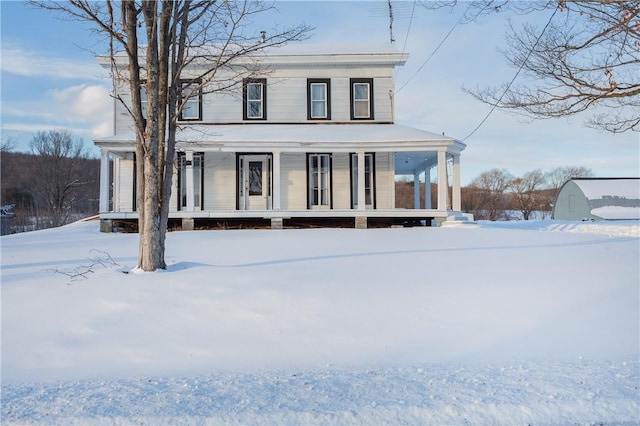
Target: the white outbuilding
(598, 199)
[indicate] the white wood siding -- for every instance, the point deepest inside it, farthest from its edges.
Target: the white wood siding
(293, 178)
(287, 97)
(220, 181)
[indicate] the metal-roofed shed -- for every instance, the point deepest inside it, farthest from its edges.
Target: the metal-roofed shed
(598, 199)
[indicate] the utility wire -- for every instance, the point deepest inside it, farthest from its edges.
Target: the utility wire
(493, 107)
(436, 49)
(406, 37)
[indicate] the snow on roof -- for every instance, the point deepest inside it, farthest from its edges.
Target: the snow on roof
(597, 188)
(332, 49)
(298, 133)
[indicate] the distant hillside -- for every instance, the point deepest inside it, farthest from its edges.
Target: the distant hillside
(22, 186)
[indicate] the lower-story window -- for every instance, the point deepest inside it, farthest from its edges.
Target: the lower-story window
(190, 180)
(369, 180)
(319, 172)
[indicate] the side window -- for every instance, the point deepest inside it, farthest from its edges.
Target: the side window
(254, 94)
(362, 99)
(191, 101)
(318, 99)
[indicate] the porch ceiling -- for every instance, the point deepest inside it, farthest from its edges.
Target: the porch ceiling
(409, 163)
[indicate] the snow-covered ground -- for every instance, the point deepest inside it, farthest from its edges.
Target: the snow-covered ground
(528, 322)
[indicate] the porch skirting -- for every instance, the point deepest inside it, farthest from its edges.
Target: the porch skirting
(127, 221)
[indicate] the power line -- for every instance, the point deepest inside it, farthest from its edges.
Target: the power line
(406, 37)
(493, 107)
(436, 49)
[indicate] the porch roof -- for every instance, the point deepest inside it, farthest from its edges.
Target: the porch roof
(300, 138)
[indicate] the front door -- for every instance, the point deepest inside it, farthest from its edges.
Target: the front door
(254, 184)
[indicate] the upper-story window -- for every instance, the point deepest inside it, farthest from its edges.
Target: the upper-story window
(319, 99)
(254, 93)
(362, 99)
(191, 100)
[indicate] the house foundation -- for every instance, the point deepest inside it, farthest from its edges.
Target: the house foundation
(188, 224)
(106, 225)
(361, 222)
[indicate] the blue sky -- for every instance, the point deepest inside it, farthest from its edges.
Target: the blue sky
(50, 79)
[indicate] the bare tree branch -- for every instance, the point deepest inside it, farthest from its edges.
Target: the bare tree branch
(586, 59)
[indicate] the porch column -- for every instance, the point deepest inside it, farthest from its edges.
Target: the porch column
(416, 191)
(276, 181)
(362, 202)
(427, 187)
(455, 183)
(104, 181)
(442, 179)
(189, 181)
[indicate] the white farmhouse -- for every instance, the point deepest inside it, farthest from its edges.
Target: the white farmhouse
(311, 140)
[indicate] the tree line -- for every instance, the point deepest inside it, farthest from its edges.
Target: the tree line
(498, 195)
(55, 184)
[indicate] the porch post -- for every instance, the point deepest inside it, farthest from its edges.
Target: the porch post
(104, 181)
(427, 187)
(362, 202)
(442, 179)
(455, 183)
(189, 181)
(276, 181)
(416, 190)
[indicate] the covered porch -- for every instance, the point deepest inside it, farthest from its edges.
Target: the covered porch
(363, 162)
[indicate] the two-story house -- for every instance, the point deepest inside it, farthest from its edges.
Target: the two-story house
(313, 140)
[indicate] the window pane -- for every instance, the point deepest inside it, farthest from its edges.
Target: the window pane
(361, 91)
(318, 109)
(197, 179)
(254, 92)
(183, 180)
(190, 110)
(361, 109)
(254, 109)
(318, 92)
(255, 178)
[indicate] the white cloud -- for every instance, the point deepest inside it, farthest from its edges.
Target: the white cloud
(38, 64)
(84, 109)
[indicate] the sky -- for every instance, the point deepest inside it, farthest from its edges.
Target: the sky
(51, 80)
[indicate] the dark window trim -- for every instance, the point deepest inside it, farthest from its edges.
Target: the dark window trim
(326, 81)
(245, 82)
(371, 91)
(309, 154)
(373, 184)
(199, 95)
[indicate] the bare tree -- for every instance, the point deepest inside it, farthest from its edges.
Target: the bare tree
(527, 193)
(58, 173)
(586, 57)
(8, 145)
(157, 41)
(558, 176)
(488, 194)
